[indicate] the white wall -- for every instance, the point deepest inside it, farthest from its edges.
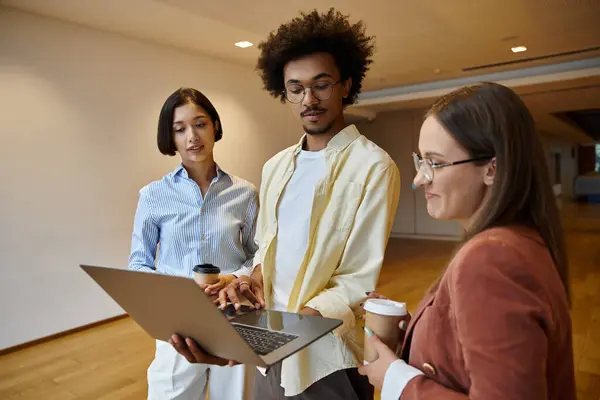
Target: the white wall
(79, 110)
(398, 133)
(568, 161)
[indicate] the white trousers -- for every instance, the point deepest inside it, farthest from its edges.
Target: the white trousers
(172, 377)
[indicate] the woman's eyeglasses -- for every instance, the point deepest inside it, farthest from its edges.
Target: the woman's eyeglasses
(427, 166)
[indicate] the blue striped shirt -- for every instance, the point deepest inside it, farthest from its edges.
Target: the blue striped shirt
(218, 229)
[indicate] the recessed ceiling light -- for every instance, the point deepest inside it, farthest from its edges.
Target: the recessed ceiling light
(518, 49)
(243, 44)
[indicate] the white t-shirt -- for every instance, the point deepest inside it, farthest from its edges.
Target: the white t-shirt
(293, 224)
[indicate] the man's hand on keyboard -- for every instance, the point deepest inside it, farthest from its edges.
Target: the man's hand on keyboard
(192, 352)
(244, 288)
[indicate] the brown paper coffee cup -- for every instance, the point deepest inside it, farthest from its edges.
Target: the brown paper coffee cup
(206, 274)
(383, 317)
(206, 279)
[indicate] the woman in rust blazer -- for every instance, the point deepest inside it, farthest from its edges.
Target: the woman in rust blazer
(496, 324)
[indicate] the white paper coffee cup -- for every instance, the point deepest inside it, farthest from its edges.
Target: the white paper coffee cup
(383, 317)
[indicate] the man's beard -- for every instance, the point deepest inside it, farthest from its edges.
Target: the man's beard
(311, 130)
(319, 131)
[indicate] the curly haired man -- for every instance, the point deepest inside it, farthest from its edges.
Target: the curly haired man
(326, 207)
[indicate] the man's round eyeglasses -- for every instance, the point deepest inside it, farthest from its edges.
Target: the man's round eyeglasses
(427, 166)
(295, 92)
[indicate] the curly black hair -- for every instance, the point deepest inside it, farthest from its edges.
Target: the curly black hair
(310, 33)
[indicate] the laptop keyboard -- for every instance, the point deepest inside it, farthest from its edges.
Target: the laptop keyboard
(262, 341)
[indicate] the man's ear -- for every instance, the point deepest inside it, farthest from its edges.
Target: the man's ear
(347, 86)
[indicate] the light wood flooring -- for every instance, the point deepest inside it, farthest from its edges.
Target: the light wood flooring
(110, 361)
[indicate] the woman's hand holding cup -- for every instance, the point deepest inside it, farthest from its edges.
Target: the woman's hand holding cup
(381, 312)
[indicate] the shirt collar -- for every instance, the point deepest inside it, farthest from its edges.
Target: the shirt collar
(339, 142)
(180, 171)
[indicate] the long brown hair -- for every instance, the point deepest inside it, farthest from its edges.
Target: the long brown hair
(490, 119)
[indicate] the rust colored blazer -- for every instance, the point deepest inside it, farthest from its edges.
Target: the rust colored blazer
(497, 327)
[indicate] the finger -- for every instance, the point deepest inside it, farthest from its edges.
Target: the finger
(198, 354)
(379, 346)
(233, 295)
(404, 322)
(181, 348)
(248, 294)
(260, 297)
(364, 369)
(210, 288)
(215, 288)
(201, 356)
(223, 298)
(374, 295)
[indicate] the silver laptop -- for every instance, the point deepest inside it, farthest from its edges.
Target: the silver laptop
(164, 305)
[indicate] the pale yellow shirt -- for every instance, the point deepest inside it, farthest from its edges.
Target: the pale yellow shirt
(353, 209)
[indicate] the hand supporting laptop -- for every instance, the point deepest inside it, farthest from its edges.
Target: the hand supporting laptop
(192, 352)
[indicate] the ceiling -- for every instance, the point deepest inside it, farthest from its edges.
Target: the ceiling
(544, 100)
(416, 41)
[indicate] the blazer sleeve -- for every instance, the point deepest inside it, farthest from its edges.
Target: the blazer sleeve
(500, 322)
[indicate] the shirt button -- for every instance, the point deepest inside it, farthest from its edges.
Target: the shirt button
(429, 369)
(203, 236)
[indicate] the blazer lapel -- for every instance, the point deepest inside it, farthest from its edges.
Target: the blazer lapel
(426, 302)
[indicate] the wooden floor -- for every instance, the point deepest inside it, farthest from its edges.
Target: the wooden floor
(110, 361)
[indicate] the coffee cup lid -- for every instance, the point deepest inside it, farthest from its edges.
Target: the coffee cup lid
(206, 269)
(385, 307)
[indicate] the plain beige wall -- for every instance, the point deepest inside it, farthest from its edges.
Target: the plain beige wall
(394, 132)
(79, 110)
(397, 133)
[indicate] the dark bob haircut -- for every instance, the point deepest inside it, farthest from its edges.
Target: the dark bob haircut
(182, 96)
(329, 32)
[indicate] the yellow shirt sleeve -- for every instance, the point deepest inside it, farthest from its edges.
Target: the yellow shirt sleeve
(362, 259)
